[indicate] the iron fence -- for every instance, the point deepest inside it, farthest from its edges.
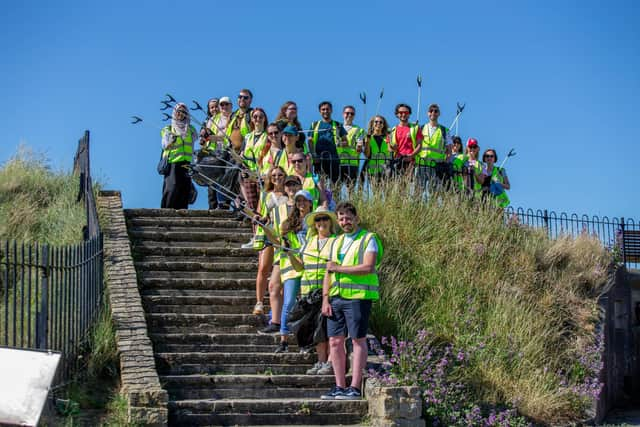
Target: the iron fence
(51, 295)
(620, 235)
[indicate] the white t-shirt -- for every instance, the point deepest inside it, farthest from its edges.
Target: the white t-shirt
(372, 246)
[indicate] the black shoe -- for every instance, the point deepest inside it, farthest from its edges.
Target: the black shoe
(273, 328)
(333, 394)
(350, 393)
(283, 347)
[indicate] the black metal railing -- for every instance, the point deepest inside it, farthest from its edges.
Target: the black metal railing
(620, 235)
(51, 295)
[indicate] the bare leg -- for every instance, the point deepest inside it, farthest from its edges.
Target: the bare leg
(338, 360)
(323, 351)
(359, 361)
(265, 262)
(275, 295)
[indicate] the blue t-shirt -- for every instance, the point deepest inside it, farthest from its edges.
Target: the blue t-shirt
(326, 141)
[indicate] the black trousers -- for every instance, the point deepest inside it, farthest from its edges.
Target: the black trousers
(176, 187)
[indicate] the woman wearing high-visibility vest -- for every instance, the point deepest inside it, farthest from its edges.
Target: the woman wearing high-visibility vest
(294, 231)
(312, 261)
(376, 148)
(271, 198)
(254, 143)
(457, 159)
(177, 148)
(309, 181)
(494, 179)
(292, 185)
(473, 168)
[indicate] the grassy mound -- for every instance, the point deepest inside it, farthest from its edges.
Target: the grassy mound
(520, 305)
(37, 203)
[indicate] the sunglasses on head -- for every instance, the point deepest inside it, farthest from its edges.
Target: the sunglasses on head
(321, 218)
(243, 96)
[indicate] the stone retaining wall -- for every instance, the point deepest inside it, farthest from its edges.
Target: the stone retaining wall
(393, 406)
(140, 384)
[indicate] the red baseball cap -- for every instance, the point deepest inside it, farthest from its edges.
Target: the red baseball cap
(472, 142)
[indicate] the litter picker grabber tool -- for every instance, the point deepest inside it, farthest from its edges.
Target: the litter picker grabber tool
(496, 187)
(379, 101)
(459, 110)
(419, 82)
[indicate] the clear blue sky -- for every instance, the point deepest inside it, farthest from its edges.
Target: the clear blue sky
(558, 81)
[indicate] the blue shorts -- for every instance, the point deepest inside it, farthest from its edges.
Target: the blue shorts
(349, 315)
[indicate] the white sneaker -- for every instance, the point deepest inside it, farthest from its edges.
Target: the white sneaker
(314, 370)
(248, 245)
(325, 369)
(258, 309)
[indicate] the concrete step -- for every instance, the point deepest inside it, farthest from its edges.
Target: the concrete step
(245, 292)
(291, 358)
(218, 348)
(206, 328)
(200, 309)
(218, 339)
(218, 259)
(197, 320)
(194, 222)
(190, 235)
(197, 279)
(176, 266)
(191, 249)
(202, 304)
(181, 213)
(231, 368)
(267, 412)
(182, 387)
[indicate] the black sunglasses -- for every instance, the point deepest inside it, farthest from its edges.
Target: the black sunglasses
(243, 96)
(321, 218)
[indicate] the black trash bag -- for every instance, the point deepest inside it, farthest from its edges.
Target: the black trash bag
(306, 321)
(213, 165)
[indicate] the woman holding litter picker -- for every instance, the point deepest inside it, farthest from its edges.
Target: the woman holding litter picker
(494, 179)
(312, 261)
(294, 231)
(271, 199)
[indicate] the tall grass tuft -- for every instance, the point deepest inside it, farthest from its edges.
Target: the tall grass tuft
(37, 203)
(523, 305)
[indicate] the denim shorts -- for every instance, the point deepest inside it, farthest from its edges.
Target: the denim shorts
(349, 315)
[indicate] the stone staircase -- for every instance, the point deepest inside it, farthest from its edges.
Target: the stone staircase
(198, 290)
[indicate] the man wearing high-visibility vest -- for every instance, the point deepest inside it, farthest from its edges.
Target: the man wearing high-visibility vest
(349, 152)
(349, 288)
(431, 158)
(324, 137)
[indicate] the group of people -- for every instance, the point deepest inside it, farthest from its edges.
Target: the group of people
(339, 151)
(307, 244)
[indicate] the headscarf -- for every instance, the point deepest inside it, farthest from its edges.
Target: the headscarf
(180, 126)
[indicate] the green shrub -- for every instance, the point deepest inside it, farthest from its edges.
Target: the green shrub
(524, 302)
(37, 203)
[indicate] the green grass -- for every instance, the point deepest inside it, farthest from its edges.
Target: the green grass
(524, 302)
(38, 203)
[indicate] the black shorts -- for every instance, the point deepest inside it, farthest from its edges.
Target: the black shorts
(349, 315)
